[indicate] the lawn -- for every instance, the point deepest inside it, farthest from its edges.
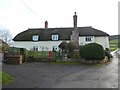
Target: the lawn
(5, 78)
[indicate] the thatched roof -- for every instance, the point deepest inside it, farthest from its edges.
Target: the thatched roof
(64, 33)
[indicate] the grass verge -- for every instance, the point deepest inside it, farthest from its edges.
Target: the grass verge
(65, 63)
(5, 78)
(74, 63)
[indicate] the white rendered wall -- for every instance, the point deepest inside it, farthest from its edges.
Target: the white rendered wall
(104, 41)
(82, 40)
(30, 44)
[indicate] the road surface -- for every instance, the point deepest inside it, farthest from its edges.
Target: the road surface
(45, 75)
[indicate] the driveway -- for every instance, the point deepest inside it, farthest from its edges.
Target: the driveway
(118, 53)
(45, 75)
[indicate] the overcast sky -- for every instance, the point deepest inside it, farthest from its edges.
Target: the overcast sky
(19, 15)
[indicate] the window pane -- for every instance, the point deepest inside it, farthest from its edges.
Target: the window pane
(54, 37)
(88, 38)
(35, 38)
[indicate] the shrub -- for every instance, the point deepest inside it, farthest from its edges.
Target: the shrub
(70, 49)
(13, 50)
(37, 54)
(76, 55)
(92, 51)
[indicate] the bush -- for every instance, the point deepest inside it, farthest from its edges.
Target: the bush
(76, 55)
(13, 50)
(71, 47)
(37, 54)
(92, 51)
(68, 48)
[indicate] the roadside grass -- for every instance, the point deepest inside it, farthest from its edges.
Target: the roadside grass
(74, 63)
(5, 78)
(64, 62)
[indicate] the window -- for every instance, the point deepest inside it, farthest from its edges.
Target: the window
(35, 48)
(55, 37)
(35, 37)
(88, 38)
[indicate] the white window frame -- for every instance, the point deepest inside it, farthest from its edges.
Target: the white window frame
(35, 37)
(88, 38)
(54, 37)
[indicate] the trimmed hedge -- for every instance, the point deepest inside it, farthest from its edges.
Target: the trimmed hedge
(92, 51)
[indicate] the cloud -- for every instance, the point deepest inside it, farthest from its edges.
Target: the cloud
(19, 15)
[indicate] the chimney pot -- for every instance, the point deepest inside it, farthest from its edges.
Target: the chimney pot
(75, 20)
(46, 24)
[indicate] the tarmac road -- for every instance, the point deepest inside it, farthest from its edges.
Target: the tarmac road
(45, 75)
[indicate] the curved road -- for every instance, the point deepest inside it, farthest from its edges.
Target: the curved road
(45, 75)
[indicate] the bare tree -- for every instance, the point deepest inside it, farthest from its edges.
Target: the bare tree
(5, 35)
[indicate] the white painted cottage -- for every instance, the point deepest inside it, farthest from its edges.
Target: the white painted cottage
(39, 39)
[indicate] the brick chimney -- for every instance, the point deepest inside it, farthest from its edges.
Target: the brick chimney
(46, 24)
(75, 32)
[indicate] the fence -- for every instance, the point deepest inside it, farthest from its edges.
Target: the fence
(14, 58)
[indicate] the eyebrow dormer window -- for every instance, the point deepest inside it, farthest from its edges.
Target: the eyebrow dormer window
(35, 37)
(54, 37)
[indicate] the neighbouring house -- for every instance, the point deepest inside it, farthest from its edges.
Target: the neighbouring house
(39, 39)
(3, 45)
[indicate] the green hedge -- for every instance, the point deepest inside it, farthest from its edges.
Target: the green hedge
(92, 51)
(37, 54)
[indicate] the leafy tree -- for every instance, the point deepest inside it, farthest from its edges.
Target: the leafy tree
(67, 48)
(70, 49)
